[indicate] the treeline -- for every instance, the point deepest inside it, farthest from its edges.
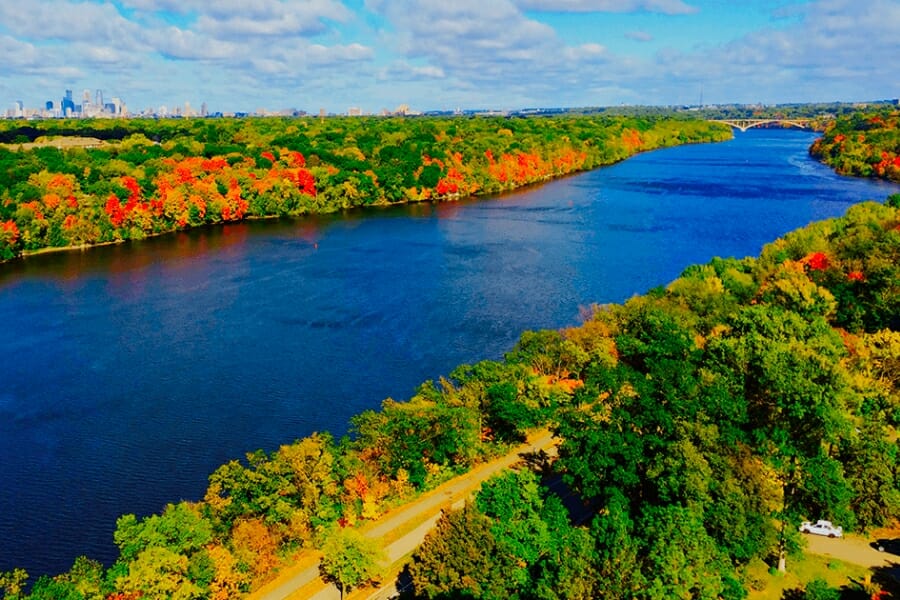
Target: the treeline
(715, 415)
(862, 144)
(705, 420)
(168, 175)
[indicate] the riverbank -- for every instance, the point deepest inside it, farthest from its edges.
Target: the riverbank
(865, 144)
(138, 188)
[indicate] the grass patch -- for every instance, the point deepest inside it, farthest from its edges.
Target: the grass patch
(800, 571)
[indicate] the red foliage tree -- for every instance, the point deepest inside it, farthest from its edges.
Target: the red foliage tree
(817, 261)
(11, 230)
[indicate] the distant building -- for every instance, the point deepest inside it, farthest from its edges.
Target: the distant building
(67, 107)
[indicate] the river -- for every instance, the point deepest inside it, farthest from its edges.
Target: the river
(129, 373)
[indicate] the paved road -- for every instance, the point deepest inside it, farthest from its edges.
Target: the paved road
(306, 583)
(850, 549)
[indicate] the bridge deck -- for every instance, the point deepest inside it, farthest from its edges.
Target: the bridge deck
(745, 124)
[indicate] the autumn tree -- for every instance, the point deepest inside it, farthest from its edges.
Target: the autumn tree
(13, 582)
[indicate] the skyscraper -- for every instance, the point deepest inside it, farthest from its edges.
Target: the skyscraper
(68, 105)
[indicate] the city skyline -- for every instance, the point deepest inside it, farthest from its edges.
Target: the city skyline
(374, 54)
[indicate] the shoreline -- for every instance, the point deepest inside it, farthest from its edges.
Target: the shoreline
(375, 205)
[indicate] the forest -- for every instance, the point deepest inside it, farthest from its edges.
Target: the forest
(862, 144)
(130, 179)
(703, 420)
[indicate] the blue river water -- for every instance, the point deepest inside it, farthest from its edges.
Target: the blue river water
(129, 373)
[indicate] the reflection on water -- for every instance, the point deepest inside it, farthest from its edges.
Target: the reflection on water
(130, 372)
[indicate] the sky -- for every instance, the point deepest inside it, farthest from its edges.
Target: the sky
(246, 55)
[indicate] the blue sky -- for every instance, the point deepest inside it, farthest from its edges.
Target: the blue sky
(443, 54)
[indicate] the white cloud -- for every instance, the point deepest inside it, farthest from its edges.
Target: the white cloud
(403, 71)
(838, 50)
(304, 10)
(438, 53)
(669, 7)
(69, 21)
(493, 51)
(177, 43)
(327, 56)
(16, 52)
(470, 39)
(236, 18)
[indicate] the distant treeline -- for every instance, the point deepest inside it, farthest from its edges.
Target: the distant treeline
(29, 133)
(166, 175)
(863, 144)
(704, 420)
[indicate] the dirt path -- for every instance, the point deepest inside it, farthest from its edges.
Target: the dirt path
(418, 516)
(850, 549)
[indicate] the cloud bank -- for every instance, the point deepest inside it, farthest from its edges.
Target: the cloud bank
(437, 54)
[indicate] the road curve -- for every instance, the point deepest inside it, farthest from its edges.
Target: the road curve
(424, 511)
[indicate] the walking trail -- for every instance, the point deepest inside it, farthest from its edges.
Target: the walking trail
(402, 530)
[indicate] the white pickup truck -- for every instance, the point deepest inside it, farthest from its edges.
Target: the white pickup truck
(821, 527)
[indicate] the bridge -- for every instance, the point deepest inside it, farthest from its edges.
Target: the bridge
(745, 124)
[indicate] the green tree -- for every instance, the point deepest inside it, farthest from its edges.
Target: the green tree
(87, 577)
(682, 561)
(617, 549)
(797, 396)
(349, 559)
(568, 571)
(514, 503)
(461, 558)
(818, 589)
(160, 573)
(54, 588)
(180, 528)
(870, 466)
